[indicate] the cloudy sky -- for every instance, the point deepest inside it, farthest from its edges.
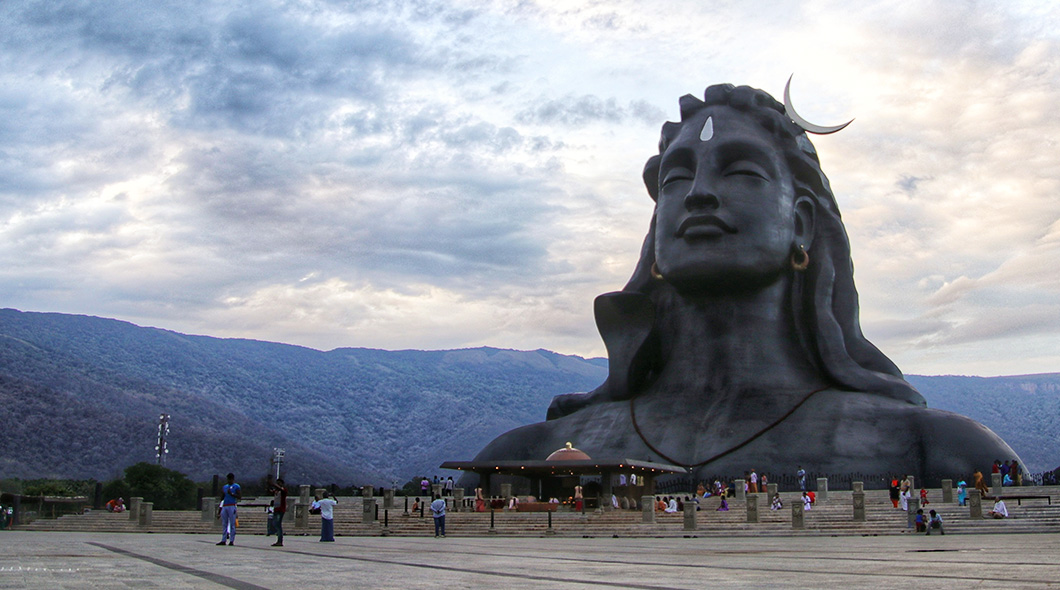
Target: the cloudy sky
(444, 174)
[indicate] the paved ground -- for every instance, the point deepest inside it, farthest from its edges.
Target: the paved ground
(84, 560)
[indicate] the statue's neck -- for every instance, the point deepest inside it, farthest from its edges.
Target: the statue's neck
(732, 344)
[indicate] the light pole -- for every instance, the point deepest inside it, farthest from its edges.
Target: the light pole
(162, 447)
(277, 460)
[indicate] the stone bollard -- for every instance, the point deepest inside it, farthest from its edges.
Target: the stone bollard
(648, 510)
(996, 481)
(822, 489)
(752, 507)
(690, 516)
(947, 491)
(914, 505)
(859, 502)
(436, 489)
(134, 508)
(857, 486)
(506, 494)
(798, 515)
(741, 494)
(368, 491)
(301, 515)
(146, 513)
(458, 499)
(303, 494)
(975, 503)
(912, 484)
(318, 493)
(368, 511)
(209, 508)
(771, 490)
(388, 499)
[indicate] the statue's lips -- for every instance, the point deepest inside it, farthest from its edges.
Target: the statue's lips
(703, 226)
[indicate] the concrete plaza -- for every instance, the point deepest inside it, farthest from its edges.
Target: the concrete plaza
(169, 561)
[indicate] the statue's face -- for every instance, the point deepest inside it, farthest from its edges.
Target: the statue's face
(726, 215)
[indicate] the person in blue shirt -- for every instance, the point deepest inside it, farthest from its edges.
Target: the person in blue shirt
(232, 496)
(935, 522)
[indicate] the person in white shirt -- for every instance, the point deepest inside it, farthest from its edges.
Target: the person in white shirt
(438, 511)
(999, 510)
(672, 506)
(326, 504)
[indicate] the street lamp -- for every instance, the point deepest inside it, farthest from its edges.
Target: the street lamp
(162, 446)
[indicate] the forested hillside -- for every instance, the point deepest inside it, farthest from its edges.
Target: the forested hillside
(81, 398)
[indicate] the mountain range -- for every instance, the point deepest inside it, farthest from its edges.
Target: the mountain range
(81, 396)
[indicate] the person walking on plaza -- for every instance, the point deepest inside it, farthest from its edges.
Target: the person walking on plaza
(232, 496)
(438, 511)
(801, 474)
(279, 509)
(326, 504)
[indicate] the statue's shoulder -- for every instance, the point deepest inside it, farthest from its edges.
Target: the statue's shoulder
(593, 429)
(944, 441)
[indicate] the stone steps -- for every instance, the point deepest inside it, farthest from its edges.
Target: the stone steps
(833, 517)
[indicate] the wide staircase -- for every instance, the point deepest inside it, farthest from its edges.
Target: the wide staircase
(831, 517)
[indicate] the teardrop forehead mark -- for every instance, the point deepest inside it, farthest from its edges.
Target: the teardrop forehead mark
(708, 129)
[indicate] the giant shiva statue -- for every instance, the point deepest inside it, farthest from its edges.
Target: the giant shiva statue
(736, 343)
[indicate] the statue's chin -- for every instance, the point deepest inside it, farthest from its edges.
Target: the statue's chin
(699, 282)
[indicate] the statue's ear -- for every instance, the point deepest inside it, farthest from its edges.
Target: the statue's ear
(651, 176)
(805, 218)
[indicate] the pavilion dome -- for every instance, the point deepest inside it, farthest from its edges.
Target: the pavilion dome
(568, 453)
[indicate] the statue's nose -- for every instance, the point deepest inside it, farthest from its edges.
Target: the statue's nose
(699, 200)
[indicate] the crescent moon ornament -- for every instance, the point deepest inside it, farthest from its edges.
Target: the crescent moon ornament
(806, 125)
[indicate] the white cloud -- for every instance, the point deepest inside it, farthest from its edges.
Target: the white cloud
(436, 174)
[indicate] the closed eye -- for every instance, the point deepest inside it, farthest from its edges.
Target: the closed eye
(676, 174)
(746, 168)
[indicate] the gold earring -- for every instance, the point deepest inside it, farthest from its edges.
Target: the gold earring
(804, 263)
(655, 274)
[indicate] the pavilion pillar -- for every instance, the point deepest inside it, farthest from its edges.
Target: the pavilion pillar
(606, 491)
(484, 483)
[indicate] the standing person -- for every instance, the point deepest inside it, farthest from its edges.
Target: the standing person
(807, 501)
(1016, 473)
(801, 474)
(894, 492)
(438, 511)
(232, 496)
(979, 483)
(425, 485)
(449, 486)
(923, 497)
(962, 493)
(326, 504)
(279, 509)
